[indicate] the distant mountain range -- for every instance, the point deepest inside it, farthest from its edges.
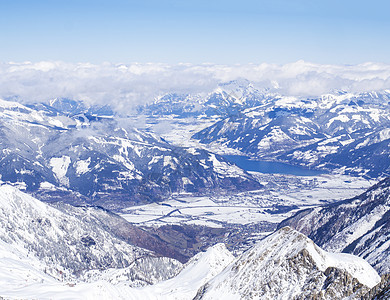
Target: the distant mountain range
(42, 248)
(342, 131)
(65, 151)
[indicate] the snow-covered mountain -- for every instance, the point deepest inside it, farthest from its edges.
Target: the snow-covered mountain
(67, 245)
(360, 226)
(258, 137)
(330, 132)
(288, 265)
(200, 269)
(81, 155)
(285, 265)
(227, 99)
(65, 152)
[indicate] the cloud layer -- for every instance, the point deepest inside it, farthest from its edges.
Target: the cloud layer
(125, 86)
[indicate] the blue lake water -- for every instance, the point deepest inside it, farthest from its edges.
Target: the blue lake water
(270, 167)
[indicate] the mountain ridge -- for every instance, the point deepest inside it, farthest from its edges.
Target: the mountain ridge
(359, 225)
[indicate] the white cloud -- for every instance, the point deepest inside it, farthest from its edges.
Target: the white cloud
(125, 86)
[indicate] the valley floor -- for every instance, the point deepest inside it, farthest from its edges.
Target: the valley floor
(282, 196)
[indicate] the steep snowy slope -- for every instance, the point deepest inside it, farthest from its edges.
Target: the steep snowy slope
(105, 285)
(288, 265)
(360, 226)
(283, 266)
(201, 268)
(67, 246)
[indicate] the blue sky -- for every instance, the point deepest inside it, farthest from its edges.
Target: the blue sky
(222, 32)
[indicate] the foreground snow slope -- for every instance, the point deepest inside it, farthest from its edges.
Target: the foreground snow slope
(283, 266)
(18, 270)
(196, 272)
(201, 268)
(67, 245)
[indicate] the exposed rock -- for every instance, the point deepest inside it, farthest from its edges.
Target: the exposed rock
(359, 226)
(288, 265)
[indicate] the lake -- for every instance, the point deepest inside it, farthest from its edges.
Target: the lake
(270, 167)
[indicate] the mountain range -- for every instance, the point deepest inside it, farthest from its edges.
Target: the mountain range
(70, 171)
(82, 157)
(332, 132)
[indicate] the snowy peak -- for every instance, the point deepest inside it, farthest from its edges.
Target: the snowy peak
(206, 265)
(200, 269)
(287, 243)
(286, 265)
(359, 226)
